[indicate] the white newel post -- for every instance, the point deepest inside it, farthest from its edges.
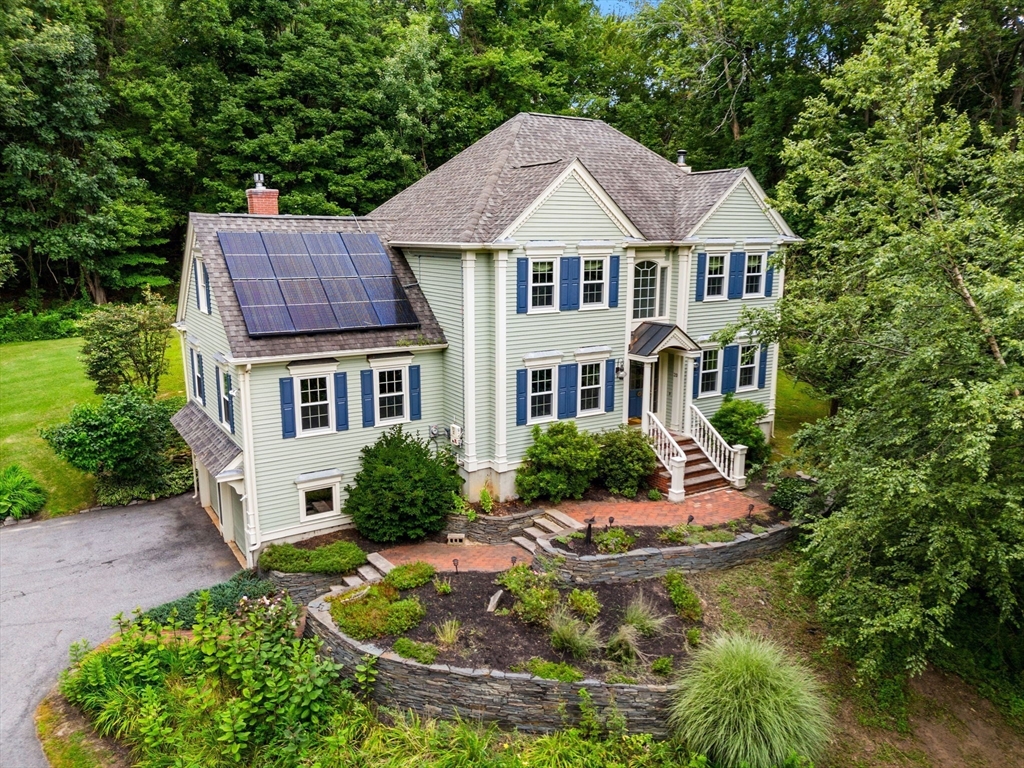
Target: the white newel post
(739, 467)
(677, 470)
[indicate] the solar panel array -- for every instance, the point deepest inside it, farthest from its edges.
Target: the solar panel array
(314, 282)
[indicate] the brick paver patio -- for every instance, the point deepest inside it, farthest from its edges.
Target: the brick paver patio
(489, 558)
(712, 508)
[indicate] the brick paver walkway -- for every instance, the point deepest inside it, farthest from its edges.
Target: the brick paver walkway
(489, 558)
(707, 509)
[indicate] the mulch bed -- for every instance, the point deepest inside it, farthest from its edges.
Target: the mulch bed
(506, 643)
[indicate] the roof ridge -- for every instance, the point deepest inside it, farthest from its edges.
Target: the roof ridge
(491, 183)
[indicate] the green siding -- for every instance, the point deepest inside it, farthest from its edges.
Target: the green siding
(569, 215)
(739, 216)
(208, 331)
(709, 404)
(280, 461)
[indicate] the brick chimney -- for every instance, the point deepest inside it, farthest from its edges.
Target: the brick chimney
(262, 201)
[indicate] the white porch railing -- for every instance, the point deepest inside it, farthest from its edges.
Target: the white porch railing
(669, 454)
(730, 460)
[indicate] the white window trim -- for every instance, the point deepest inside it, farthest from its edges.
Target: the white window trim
(724, 295)
(760, 293)
(604, 258)
(225, 397)
(600, 385)
(378, 421)
(315, 481)
(200, 391)
(740, 366)
(546, 359)
(661, 263)
(718, 374)
(554, 395)
(556, 263)
(592, 354)
(297, 388)
(202, 286)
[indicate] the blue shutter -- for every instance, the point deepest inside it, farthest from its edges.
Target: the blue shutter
(696, 377)
(522, 275)
(609, 386)
(341, 401)
(287, 407)
(769, 276)
(202, 378)
(702, 270)
(762, 368)
(520, 396)
(737, 267)
(414, 393)
(195, 276)
(613, 281)
(567, 384)
(366, 385)
(206, 287)
(231, 404)
(569, 278)
(220, 404)
(730, 367)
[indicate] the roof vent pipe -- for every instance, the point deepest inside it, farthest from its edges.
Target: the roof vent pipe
(681, 160)
(262, 201)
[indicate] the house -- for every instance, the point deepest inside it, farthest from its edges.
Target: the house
(556, 269)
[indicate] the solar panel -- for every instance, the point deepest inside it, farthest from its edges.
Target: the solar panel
(290, 283)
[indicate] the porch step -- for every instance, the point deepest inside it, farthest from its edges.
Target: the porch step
(536, 533)
(352, 581)
(380, 562)
(370, 574)
(563, 519)
(525, 543)
(548, 525)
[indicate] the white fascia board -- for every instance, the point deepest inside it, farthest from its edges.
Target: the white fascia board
(591, 185)
(430, 246)
(337, 353)
(762, 198)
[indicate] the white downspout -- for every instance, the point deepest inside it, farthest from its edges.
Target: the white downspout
(500, 360)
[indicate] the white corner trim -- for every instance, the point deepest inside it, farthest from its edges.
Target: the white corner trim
(544, 359)
(501, 355)
(186, 273)
(380, 362)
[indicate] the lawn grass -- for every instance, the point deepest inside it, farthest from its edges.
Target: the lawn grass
(40, 382)
(796, 404)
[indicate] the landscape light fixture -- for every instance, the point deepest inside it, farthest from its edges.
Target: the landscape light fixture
(455, 562)
(513, 561)
(750, 511)
(689, 519)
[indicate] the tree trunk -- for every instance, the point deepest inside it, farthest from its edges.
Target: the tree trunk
(94, 284)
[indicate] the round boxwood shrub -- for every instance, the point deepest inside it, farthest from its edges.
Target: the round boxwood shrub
(736, 421)
(790, 492)
(627, 459)
(404, 490)
(20, 494)
(561, 464)
(744, 702)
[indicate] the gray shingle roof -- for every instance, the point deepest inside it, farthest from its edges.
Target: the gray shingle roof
(212, 447)
(242, 345)
(479, 192)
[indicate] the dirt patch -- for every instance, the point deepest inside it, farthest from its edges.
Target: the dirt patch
(69, 741)
(504, 642)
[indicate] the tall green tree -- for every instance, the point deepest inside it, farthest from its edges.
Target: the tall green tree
(908, 307)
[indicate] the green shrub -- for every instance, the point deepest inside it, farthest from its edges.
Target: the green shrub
(20, 494)
(685, 600)
(654, 494)
(443, 586)
(571, 635)
(551, 670)
(620, 679)
(561, 464)
(790, 492)
(736, 421)
(693, 636)
(692, 535)
(624, 645)
(584, 603)
(377, 612)
(424, 653)
(663, 666)
(410, 575)
(627, 460)
(534, 593)
(56, 323)
(339, 557)
(743, 701)
(403, 490)
(486, 501)
(222, 597)
(613, 541)
(642, 614)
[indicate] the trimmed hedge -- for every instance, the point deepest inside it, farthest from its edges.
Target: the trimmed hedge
(223, 597)
(339, 557)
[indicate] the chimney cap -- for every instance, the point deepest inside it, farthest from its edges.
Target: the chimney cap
(681, 160)
(258, 178)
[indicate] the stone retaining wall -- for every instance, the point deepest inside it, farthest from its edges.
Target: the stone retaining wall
(510, 699)
(652, 562)
(492, 529)
(303, 587)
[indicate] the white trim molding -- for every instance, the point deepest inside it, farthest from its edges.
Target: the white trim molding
(542, 359)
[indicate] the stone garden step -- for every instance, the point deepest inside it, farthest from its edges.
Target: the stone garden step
(563, 519)
(352, 581)
(525, 543)
(537, 533)
(380, 562)
(368, 573)
(548, 525)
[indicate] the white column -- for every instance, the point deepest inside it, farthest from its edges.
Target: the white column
(688, 392)
(645, 419)
(663, 372)
(469, 355)
(678, 394)
(500, 359)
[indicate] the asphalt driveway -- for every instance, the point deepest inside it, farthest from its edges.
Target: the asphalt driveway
(62, 580)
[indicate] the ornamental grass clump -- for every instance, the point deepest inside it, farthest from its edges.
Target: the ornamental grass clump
(744, 702)
(573, 636)
(339, 557)
(20, 494)
(644, 615)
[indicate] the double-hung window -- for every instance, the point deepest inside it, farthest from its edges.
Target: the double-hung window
(594, 274)
(542, 394)
(542, 284)
(709, 371)
(391, 390)
(748, 367)
(198, 388)
(225, 397)
(715, 281)
(645, 290)
(754, 277)
(314, 396)
(590, 388)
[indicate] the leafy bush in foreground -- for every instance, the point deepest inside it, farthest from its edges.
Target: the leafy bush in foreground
(627, 460)
(736, 421)
(57, 323)
(685, 600)
(377, 612)
(223, 597)
(404, 490)
(20, 494)
(790, 492)
(742, 701)
(535, 594)
(338, 557)
(561, 464)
